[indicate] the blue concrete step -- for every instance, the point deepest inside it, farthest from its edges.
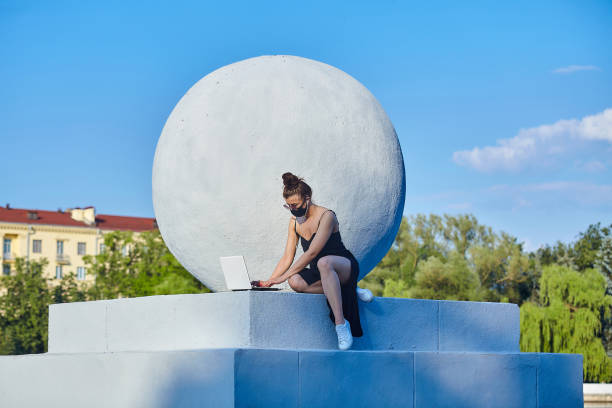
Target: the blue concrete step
(292, 378)
(278, 320)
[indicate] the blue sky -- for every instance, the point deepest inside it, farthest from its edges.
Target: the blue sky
(500, 107)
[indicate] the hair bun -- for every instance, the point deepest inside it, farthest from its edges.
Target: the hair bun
(295, 185)
(290, 180)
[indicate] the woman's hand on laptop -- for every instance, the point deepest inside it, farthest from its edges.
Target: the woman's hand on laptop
(270, 282)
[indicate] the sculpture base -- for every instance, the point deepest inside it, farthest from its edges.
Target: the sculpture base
(291, 378)
(266, 349)
(277, 320)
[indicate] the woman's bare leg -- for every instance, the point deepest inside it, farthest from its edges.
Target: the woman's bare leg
(334, 271)
(298, 284)
(316, 287)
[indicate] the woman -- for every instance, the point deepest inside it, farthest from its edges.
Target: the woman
(333, 268)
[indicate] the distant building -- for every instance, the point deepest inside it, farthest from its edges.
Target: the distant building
(63, 237)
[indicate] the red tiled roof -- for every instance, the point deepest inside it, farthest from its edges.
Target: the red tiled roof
(119, 222)
(103, 221)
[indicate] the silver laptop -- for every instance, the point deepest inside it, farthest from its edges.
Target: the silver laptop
(236, 274)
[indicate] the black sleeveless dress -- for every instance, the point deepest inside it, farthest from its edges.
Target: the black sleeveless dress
(348, 290)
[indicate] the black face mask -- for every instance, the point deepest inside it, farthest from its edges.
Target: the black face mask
(300, 213)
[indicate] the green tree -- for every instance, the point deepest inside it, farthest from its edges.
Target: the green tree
(587, 250)
(146, 268)
(418, 238)
(396, 288)
(23, 310)
(450, 280)
(158, 272)
(112, 268)
(559, 254)
(568, 320)
(603, 262)
(397, 263)
(464, 231)
(24, 306)
(593, 249)
(504, 272)
(129, 266)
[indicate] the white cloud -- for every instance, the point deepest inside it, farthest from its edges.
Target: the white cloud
(536, 213)
(568, 193)
(541, 144)
(596, 127)
(575, 68)
(591, 166)
(575, 195)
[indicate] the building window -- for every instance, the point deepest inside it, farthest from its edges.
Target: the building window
(102, 248)
(6, 269)
(60, 247)
(37, 246)
(80, 272)
(58, 271)
(6, 248)
(81, 248)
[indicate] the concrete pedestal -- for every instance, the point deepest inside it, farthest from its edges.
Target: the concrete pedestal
(414, 353)
(284, 378)
(279, 320)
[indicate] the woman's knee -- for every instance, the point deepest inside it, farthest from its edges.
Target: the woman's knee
(297, 283)
(324, 265)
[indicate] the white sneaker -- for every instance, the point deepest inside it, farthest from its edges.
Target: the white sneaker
(345, 338)
(365, 295)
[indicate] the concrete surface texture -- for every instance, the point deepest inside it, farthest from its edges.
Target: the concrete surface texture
(278, 320)
(217, 187)
(298, 378)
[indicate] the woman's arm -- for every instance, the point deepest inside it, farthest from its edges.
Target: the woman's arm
(289, 255)
(326, 226)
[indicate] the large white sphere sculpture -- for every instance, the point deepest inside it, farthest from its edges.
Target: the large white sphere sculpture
(217, 187)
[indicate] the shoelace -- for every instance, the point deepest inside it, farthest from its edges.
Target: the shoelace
(343, 334)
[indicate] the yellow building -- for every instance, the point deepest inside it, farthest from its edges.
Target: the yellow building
(63, 237)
